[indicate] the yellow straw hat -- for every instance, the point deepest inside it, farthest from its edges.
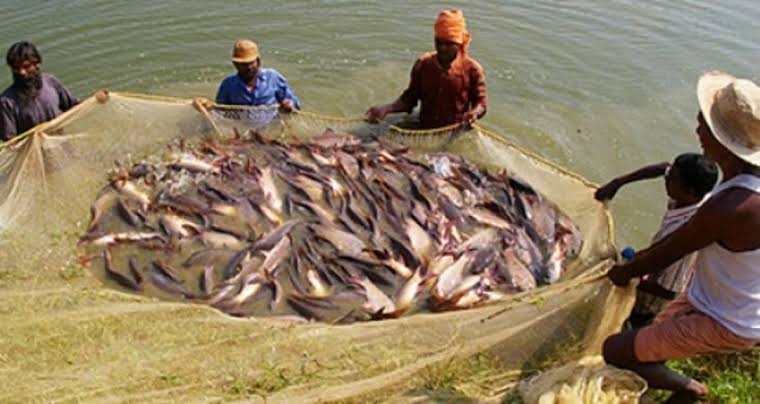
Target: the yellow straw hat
(245, 51)
(731, 108)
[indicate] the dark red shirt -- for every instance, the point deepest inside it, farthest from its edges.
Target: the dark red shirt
(446, 95)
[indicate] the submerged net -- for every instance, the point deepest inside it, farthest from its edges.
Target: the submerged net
(68, 337)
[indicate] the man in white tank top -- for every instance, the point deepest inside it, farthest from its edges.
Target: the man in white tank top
(721, 309)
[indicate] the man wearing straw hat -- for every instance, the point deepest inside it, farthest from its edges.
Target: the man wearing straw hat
(252, 85)
(450, 85)
(721, 309)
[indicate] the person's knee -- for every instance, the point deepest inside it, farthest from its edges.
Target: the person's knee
(617, 349)
(608, 350)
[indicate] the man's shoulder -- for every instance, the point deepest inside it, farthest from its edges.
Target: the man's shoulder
(270, 72)
(229, 80)
(734, 202)
(470, 63)
(49, 79)
(8, 97)
(427, 57)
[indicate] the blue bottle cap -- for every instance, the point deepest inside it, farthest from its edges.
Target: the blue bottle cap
(628, 253)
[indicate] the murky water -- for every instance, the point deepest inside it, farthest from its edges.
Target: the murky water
(601, 87)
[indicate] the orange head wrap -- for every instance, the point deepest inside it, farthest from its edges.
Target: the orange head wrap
(450, 26)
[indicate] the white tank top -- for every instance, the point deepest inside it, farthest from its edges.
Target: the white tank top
(726, 284)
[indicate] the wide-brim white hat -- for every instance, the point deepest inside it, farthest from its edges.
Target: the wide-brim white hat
(731, 108)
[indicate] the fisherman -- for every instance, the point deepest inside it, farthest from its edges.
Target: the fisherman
(253, 84)
(688, 181)
(34, 97)
(721, 309)
(450, 85)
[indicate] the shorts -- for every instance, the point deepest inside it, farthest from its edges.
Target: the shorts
(681, 331)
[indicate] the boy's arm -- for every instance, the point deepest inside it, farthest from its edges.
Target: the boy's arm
(608, 190)
(654, 288)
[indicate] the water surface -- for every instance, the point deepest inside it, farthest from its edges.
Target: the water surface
(601, 87)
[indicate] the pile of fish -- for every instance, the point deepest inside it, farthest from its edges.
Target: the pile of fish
(329, 229)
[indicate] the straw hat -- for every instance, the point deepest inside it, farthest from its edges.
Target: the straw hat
(245, 51)
(731, 108)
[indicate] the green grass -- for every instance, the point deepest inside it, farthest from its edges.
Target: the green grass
(732, 378)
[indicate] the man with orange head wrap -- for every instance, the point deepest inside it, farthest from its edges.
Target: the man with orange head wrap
(450, 85)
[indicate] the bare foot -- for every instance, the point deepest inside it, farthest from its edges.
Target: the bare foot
(697, 388)
(695, 391)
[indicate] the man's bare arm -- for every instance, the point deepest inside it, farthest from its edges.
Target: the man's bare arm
(711, 222)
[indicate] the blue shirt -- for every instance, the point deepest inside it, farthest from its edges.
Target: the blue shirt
(271, 88)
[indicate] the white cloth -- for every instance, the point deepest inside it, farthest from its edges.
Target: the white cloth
(726, 284)
(675, 277)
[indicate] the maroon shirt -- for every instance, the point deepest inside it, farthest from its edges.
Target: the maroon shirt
(446, 95)
(52, 99)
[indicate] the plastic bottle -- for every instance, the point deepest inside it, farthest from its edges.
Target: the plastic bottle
(628, 253)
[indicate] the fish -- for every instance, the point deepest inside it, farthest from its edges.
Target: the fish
(173, 225)
(130, 190)
(489, 218)
(161, 281)
(517, 276)
(273, 257)
(249, 290)
(439, 263)
(131, 237)
(481, 239)
(186, 204)
(208, 257)
(378, 303)
(317, 286)
(193, 163)
(207, 280)
(310, 307)
(407, 294)
(166, 270)
(342, 241)
(277, 295)
(332, 139)
(268, 240)
(382, 231)
(221, 240)
(134, 270)
(451, 276)
(325, 216)
(99, 207)
(422, 244)
(129, 214)
(265, 180)
(123, 280)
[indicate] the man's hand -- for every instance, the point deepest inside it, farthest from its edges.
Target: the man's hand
(202, 104)
(287, 105)
(607, 191)
(469, 118)
(618, 275)
(376, 114)
(101, 96)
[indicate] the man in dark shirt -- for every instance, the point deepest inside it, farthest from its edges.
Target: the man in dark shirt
(450, 84)
(34, 96)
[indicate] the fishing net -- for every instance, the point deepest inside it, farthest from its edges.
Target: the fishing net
(66, 336)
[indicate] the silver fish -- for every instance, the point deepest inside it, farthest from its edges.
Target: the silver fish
(377, 302)
(221, 240)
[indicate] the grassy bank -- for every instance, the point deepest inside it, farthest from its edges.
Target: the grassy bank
(732, 378)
